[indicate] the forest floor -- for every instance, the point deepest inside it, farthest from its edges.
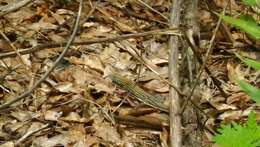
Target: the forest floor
(78, 104)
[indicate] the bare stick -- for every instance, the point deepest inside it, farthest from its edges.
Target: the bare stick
(195, 51)
(28, 134)
(223, 27)
(141, 122)
(171, 31)
(151, 8)
(13, 6)
(209, 51)
(175, 116)
(13, 47)
(27, 93)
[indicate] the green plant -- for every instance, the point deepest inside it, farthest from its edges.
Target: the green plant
(252, 91)
(249, 25)
(245, 23)
(237, 135)
(252, 63)
(252, 2)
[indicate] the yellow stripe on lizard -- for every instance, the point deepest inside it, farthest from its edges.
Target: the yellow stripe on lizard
(138, 92)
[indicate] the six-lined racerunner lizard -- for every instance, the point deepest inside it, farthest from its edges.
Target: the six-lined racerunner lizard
(138, 92)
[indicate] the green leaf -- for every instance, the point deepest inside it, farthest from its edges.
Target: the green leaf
(248, 26)
(248, 18)
(253, 92)
(236, 135)
(252, 63)
(251, 120)
(251, 2)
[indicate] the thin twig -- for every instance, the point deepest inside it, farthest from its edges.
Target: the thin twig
(209, 51)
(13, 6)
(27, 93)
(28, 134)
(223, 27)
(2, 77)
(109, 117)
(13, 47)
(175, 101)
(141, 122)
(171, 31)
(122, 26)
(131, 13)
(151, 8)
(215, 81)
(195, 49)
(9, 71)
(144, 62)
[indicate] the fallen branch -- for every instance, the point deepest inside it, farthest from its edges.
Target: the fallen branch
(88, 42)
(143, 122)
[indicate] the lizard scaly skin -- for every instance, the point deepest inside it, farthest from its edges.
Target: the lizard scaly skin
(138, 92)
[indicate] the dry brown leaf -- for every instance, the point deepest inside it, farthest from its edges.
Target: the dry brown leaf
(240, 97)
(221, 106)
(67, 96)
(59, 18)
(79, 80)
(14, 85)
(22, 115)
(164, 138)
(35, 126)
(205, 16)
(91, 61)
(107, 132)
(8, 144)
(250, 54)
(91, 140)
(75, 136)
(19, 16)
(158, 61)
(52, 115)
(219, 103)
(42, 26)
(123, 27)
(5, 46)
(17, 128)
(102, 87)
(119, 60)
(56, 38)
(231, 115)
(66, 87)
(157, 86)
(64, 11)
(231, 72)
(96, 31)
(157, 49)
(223, 3)
(51, 141)
(74, 117)
(43, 54)
(90, 24)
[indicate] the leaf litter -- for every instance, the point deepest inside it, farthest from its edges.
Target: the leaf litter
(78, 102)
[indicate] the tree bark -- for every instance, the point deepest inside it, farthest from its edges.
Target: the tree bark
(175, 117)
